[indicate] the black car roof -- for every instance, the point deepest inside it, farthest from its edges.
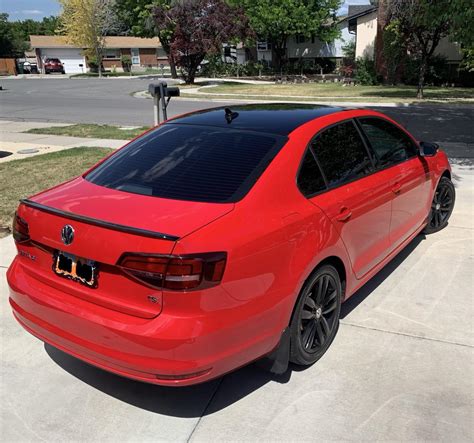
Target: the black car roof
(275, 118)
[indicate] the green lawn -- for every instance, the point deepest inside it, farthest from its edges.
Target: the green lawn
(91, 131)
(22, 178)
(329, 91)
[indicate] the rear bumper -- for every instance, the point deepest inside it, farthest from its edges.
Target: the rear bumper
(166, 350)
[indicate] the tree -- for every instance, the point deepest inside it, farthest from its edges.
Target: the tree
(200, 29)
(393, 53)
(138, 19)
(9, 46)
(422, 24)
(462, 30)
(85, 23)
(25, 28)
(277, 20)
(14, 36)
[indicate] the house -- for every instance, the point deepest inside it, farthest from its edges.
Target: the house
(302, 48)
(143, 52)
(364, 23)
(361, 25)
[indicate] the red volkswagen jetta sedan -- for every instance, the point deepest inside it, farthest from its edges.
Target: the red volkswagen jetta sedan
(223, 236)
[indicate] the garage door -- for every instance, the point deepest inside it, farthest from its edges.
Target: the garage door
(72, 59)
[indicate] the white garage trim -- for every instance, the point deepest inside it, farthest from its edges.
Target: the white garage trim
(71, 58)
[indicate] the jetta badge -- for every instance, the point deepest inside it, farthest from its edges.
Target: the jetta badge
(67, 234)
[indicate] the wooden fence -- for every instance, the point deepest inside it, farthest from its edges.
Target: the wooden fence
(7, 66)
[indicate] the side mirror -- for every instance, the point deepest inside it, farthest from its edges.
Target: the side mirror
(428, 149)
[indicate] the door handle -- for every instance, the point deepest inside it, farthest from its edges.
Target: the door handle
(344, 214)
(396, 188)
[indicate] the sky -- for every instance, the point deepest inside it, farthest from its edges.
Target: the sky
(37, 9)
(33, 9)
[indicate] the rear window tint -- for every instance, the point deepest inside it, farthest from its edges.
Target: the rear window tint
(186, 162)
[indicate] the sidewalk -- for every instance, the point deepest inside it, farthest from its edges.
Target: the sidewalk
(14, 139)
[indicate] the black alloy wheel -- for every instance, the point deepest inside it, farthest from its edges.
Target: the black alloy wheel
(316, 317)
(441, 207)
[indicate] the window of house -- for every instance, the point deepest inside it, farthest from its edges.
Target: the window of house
(263, 46)
(310, 180)
(390, 144)
(300, 38)
(112, 53)
(341, 154)
(160, 53)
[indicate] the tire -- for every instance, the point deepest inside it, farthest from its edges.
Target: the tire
(441, 207)
(315, 320)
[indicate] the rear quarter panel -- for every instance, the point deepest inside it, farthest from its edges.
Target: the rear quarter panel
(274, 239)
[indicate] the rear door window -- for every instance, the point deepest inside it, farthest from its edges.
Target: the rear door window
(188, 162)
(342, 154)
(389, 143)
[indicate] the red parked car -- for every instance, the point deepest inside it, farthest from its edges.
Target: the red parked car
(223, 236)
(53, 65)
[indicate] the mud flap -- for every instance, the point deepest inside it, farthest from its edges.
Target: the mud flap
(277, 361)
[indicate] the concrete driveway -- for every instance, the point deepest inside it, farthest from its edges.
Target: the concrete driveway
(400, 368)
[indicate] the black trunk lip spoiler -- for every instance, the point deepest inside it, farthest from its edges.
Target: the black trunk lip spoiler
(100, 223)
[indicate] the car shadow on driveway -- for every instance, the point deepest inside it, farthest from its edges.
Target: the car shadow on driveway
(186, 402)
(196, 401)
(360, 295)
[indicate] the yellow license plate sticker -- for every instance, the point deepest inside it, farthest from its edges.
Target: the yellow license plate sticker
(75, 268)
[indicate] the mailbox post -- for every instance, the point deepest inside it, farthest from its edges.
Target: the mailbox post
(161, 94)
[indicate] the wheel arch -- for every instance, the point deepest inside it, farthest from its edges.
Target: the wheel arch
(446, 173)
(338, 264)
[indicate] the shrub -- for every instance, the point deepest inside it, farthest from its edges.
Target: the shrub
(436, 74)
(349, 50)
(346, 70)
(365, 71)
(93, 64)
(214, 66)
(394, 51)
(126, 62)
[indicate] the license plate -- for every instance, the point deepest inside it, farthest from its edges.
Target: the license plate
(75, 268)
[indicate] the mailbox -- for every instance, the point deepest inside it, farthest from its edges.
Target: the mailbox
(161, 90)
(161, 93)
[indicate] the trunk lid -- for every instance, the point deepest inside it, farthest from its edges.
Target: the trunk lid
(107, 223)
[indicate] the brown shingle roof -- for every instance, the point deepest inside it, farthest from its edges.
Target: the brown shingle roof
(57, 41)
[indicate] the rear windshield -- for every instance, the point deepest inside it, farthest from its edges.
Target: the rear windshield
(186, 162)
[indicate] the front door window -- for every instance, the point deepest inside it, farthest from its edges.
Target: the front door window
(135, 57)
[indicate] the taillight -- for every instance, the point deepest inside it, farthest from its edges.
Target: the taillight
(176, 272)
(21, 232)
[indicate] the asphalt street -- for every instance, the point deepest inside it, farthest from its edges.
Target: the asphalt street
(111, 101)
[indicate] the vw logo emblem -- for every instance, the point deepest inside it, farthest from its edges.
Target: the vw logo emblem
(67, 234)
